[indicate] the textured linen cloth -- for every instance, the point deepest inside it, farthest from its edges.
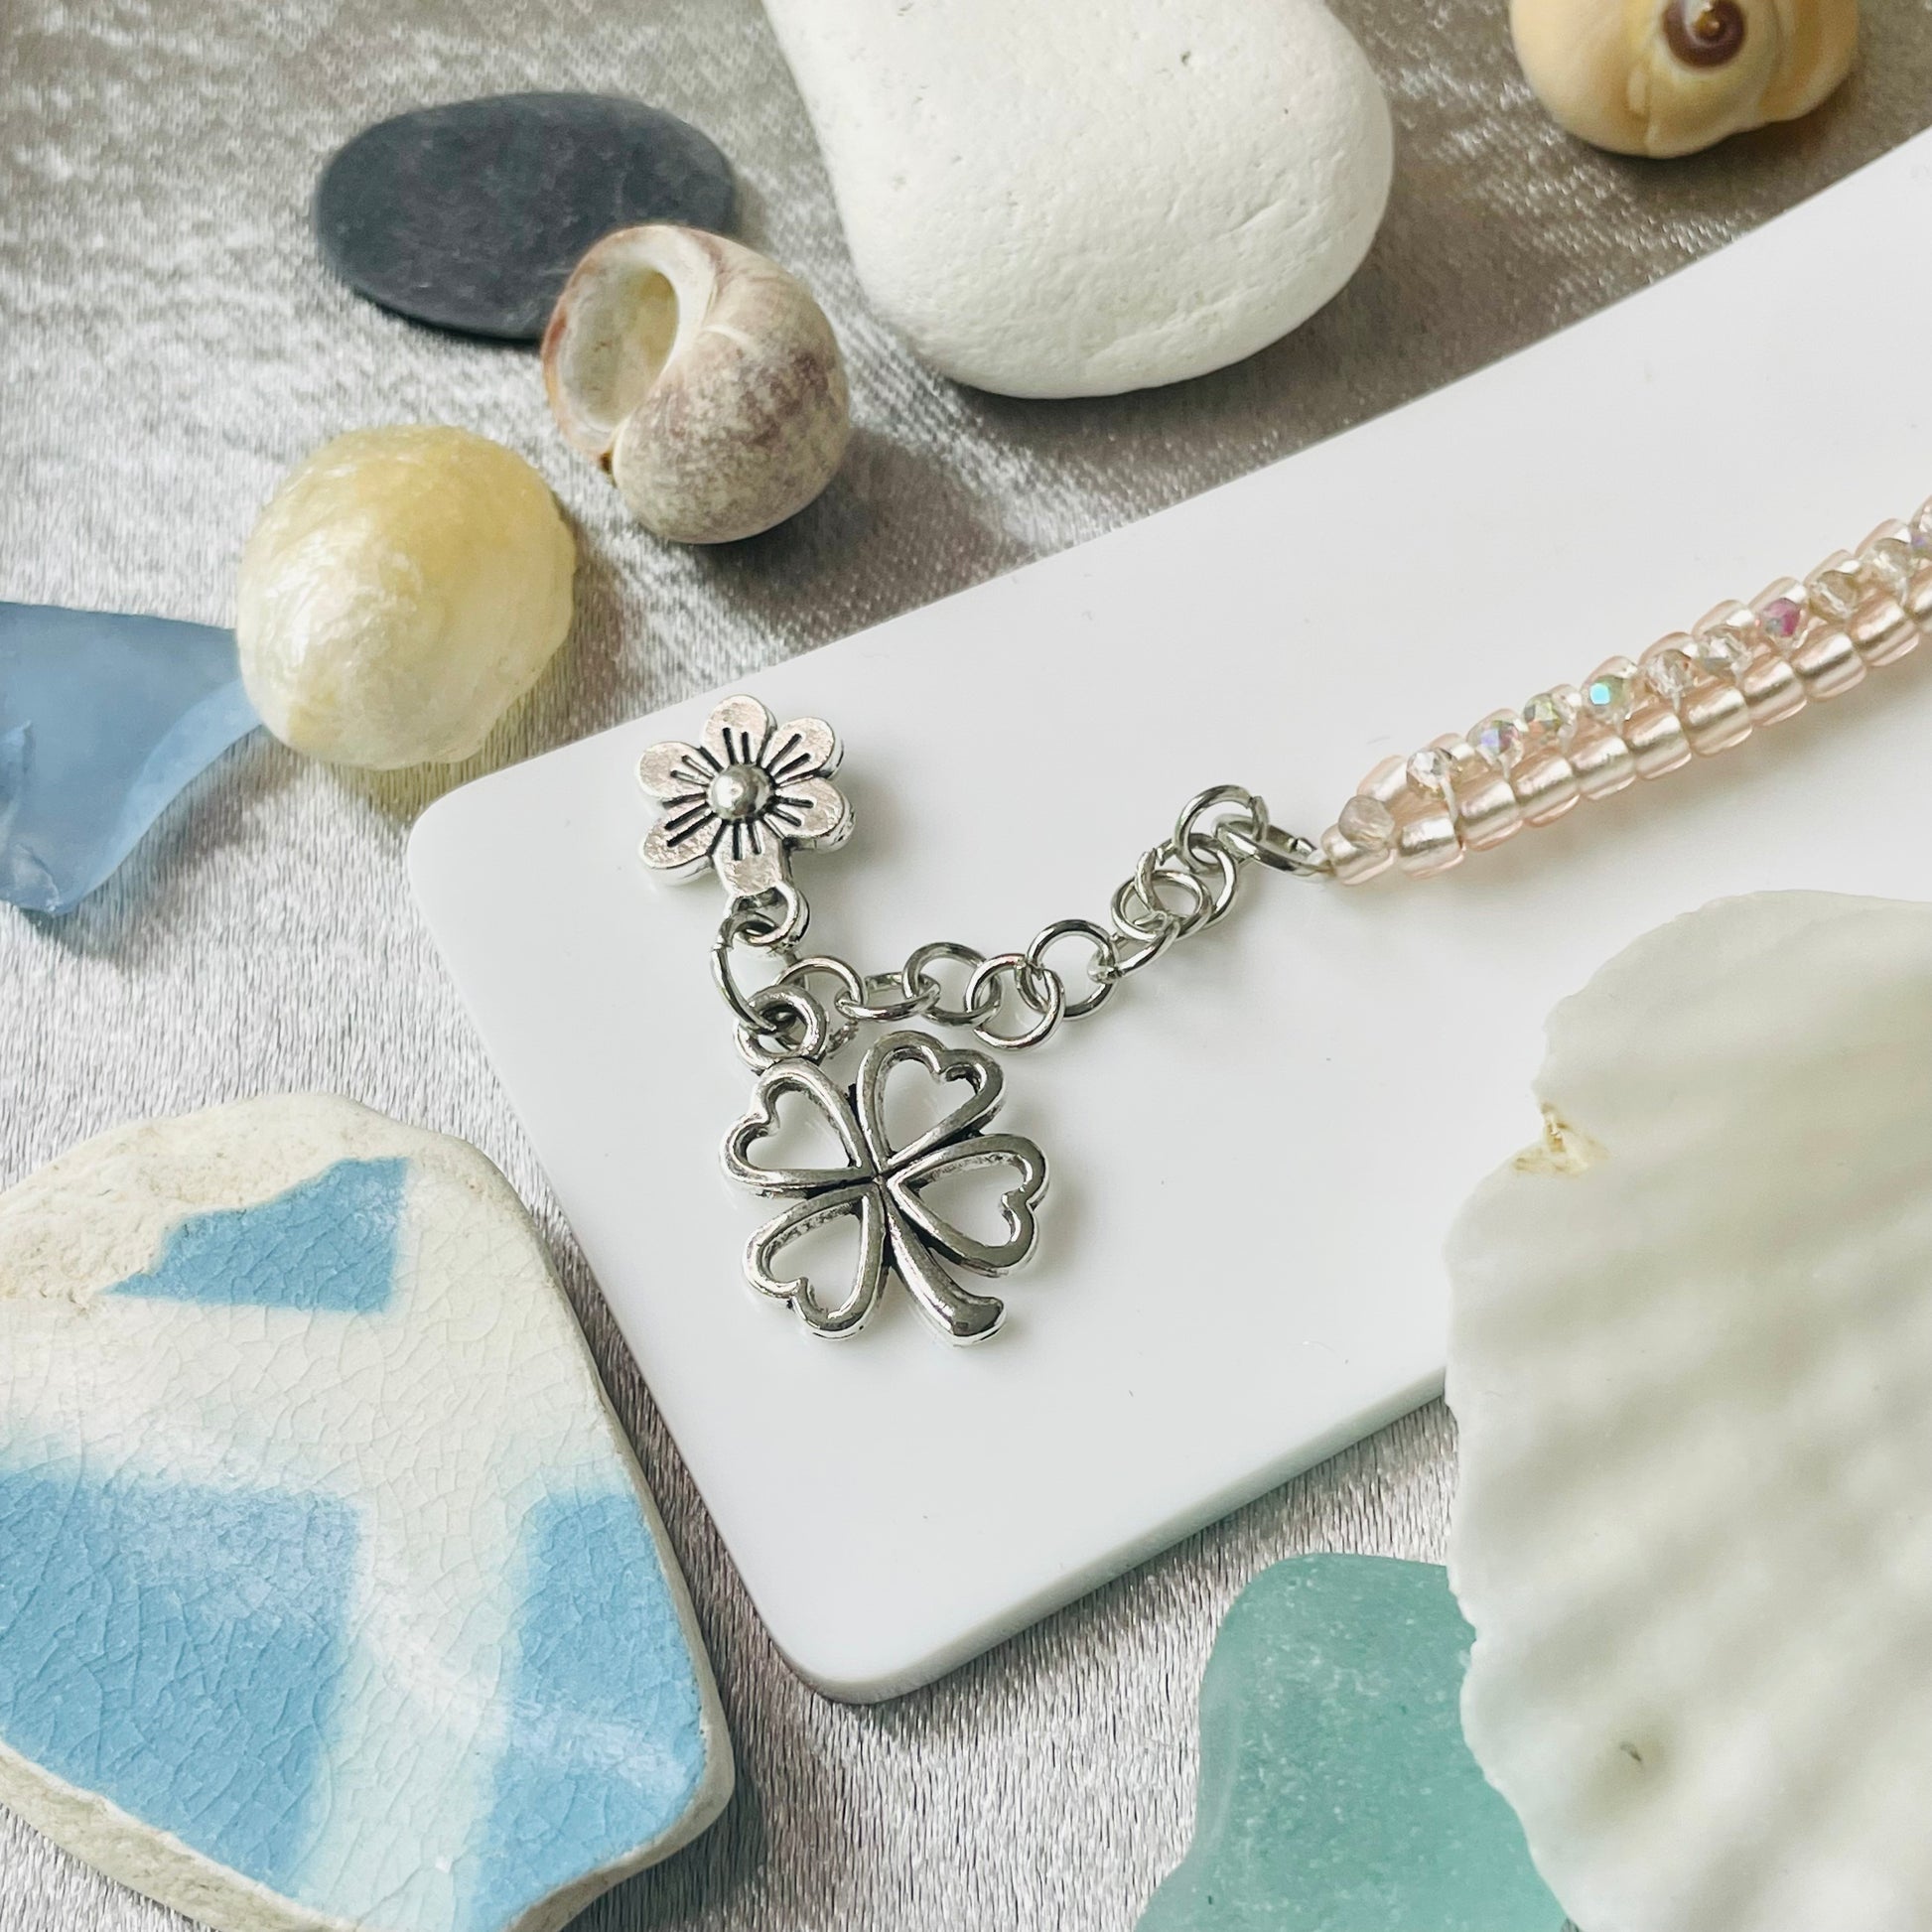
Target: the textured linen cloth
(170, 346)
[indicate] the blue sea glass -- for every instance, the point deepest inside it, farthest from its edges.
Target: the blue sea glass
(103, 719)
(1337, 1793)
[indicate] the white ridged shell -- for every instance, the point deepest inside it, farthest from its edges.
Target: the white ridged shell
(1691, 1359)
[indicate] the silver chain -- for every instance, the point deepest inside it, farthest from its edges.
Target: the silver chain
(1180, 886)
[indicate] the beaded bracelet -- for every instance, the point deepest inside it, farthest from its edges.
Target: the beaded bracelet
(751, 791)
(1691, 694)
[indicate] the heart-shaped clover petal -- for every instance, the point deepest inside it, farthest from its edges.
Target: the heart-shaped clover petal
(761, 1121)
(842, 1318)
(1016, 1203)
(948, 1065)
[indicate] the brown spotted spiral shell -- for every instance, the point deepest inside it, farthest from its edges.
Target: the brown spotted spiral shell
(1671, 76)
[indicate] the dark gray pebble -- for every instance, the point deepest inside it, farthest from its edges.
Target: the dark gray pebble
(472, 215)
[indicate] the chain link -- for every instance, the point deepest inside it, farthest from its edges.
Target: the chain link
(918, 971)
(1103, 969)
(1178, 886)
(1038, 988)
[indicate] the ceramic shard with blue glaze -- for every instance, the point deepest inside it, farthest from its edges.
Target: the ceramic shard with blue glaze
(103, 719)
(1337, 1793)
(330, 1594)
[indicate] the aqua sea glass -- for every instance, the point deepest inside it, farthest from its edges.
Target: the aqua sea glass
(103, 719)
(1337, 1793)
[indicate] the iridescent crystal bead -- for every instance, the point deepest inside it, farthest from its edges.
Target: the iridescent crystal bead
(1668, 672)
(1835, 587)
(1720, 650)
(1887, 558)
(1550, 714)
(1499, 738)
(1366, 823)
(1782, 618)
(1429, 772)
(1609, 692)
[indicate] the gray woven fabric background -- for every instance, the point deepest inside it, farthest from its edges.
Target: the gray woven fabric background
(170, 346)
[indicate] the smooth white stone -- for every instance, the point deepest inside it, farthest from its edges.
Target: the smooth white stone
(330, 1594)
(1089, 196)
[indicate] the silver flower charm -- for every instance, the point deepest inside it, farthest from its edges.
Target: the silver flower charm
(881, 1185)
(742, 797)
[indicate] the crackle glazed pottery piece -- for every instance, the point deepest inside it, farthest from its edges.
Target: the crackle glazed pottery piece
(1691, 1359)
(470, 216)
(1337, 1793)
(1671, 76)
(104, 717)
(331, 1594)
(702, 376)
(1086, 198)
(402, 590)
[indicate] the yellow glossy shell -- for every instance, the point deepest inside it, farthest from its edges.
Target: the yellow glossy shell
(1670, 76)
(403, 588)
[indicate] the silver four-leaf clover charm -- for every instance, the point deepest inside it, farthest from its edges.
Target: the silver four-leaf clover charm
(742, 796)
(900, 1232)
(737, 802)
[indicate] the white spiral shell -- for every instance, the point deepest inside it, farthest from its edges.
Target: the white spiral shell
(1691, 1359)
(704, 377)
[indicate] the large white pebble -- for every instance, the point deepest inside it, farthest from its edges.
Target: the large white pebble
(1093, 195)
(402, 590)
